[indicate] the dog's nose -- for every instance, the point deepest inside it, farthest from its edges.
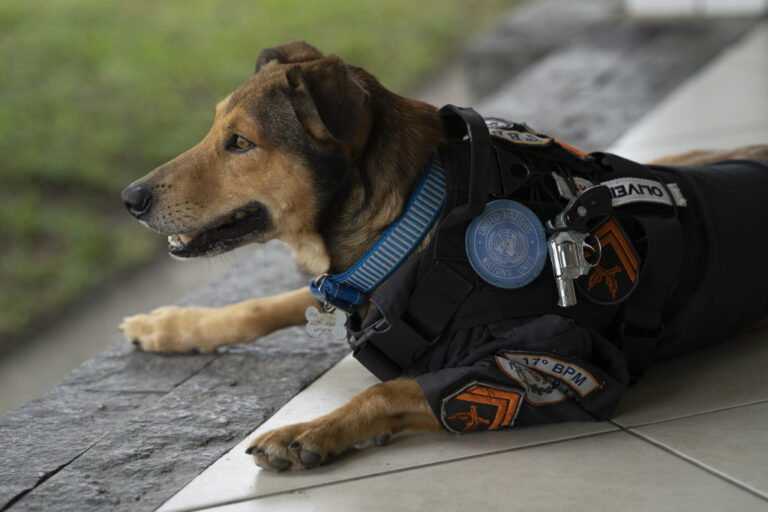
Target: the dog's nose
(137, 199)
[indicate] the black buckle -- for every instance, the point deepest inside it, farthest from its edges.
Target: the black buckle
(379, 326)
(513, 174)
(370, 356)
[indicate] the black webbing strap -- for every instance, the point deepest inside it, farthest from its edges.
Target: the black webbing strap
(460, 122)
(643, 325)
(440, 290)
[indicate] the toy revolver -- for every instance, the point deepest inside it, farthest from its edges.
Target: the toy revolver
(570, 238)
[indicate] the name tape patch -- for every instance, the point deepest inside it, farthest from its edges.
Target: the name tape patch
(506, 244)
(628, 190)
(579, 379)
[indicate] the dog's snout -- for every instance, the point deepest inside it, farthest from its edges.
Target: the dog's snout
(137, 199)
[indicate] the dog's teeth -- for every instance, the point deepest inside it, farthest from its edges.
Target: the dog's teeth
(178, 240)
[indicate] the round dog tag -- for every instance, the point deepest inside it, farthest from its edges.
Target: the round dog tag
(506, 244)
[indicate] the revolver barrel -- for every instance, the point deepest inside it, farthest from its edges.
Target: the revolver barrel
(567, 265)
(566, 292)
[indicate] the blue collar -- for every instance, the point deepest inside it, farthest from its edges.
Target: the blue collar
(348, 289)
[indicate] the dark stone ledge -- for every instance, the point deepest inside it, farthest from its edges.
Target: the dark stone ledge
(128, 429)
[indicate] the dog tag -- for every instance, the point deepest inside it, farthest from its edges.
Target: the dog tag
(321, 323)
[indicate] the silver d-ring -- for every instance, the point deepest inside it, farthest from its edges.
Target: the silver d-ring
(320, 280)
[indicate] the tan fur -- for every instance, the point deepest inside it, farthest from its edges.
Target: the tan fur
(703, 157)
(181, 329)
(393, 138)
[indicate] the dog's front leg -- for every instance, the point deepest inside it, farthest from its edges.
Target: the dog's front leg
(182, 329)
(374, 415)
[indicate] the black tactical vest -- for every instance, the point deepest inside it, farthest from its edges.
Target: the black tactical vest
(436, 292)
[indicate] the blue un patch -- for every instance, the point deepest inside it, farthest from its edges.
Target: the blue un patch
(506, 244)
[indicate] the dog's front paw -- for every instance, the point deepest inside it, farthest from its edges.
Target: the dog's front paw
(304, 445)
(292, 447)
(168, 329)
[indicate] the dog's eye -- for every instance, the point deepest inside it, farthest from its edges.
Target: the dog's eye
(240, 143)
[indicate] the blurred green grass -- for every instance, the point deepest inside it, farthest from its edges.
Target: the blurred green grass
(95, 94)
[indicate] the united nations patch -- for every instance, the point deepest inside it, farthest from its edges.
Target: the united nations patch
(480, 406)
(614, 278)
(506, 244)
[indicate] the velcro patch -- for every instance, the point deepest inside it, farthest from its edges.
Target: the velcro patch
(506, 244)
(628, 190)
(614, 278)
(576, 377)
(519, 137)
(480, 406)
(633, 190)
(538, 390)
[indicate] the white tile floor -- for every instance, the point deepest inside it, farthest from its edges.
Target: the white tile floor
(723, 106)
(692, 436)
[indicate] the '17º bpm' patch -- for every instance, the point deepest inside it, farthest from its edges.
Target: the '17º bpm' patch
(506, 244)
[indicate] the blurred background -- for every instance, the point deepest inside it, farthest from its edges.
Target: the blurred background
(93, 95)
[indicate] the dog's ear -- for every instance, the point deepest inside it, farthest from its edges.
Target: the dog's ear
(295, 51)
(328, 100)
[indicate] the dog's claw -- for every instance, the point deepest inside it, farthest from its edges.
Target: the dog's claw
(253, 449)
(294, 445)
(136, 342)
(382, 440)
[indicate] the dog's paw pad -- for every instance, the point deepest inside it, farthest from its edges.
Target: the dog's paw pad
(279, 463)
(309, 458)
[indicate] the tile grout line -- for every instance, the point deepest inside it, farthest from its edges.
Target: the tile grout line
(391, 472)
(695, 463)
(619, 427)
(692, 415)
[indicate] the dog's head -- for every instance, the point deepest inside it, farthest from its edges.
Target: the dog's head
(273, 159)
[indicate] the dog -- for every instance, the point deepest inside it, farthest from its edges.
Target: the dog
(317, 153)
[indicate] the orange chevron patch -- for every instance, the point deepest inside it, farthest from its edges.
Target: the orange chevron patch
(480, 406)
(614, 278)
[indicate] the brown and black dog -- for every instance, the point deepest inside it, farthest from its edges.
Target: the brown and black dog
(316, 153)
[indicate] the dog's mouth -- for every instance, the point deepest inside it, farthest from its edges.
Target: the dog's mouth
(237, 228)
